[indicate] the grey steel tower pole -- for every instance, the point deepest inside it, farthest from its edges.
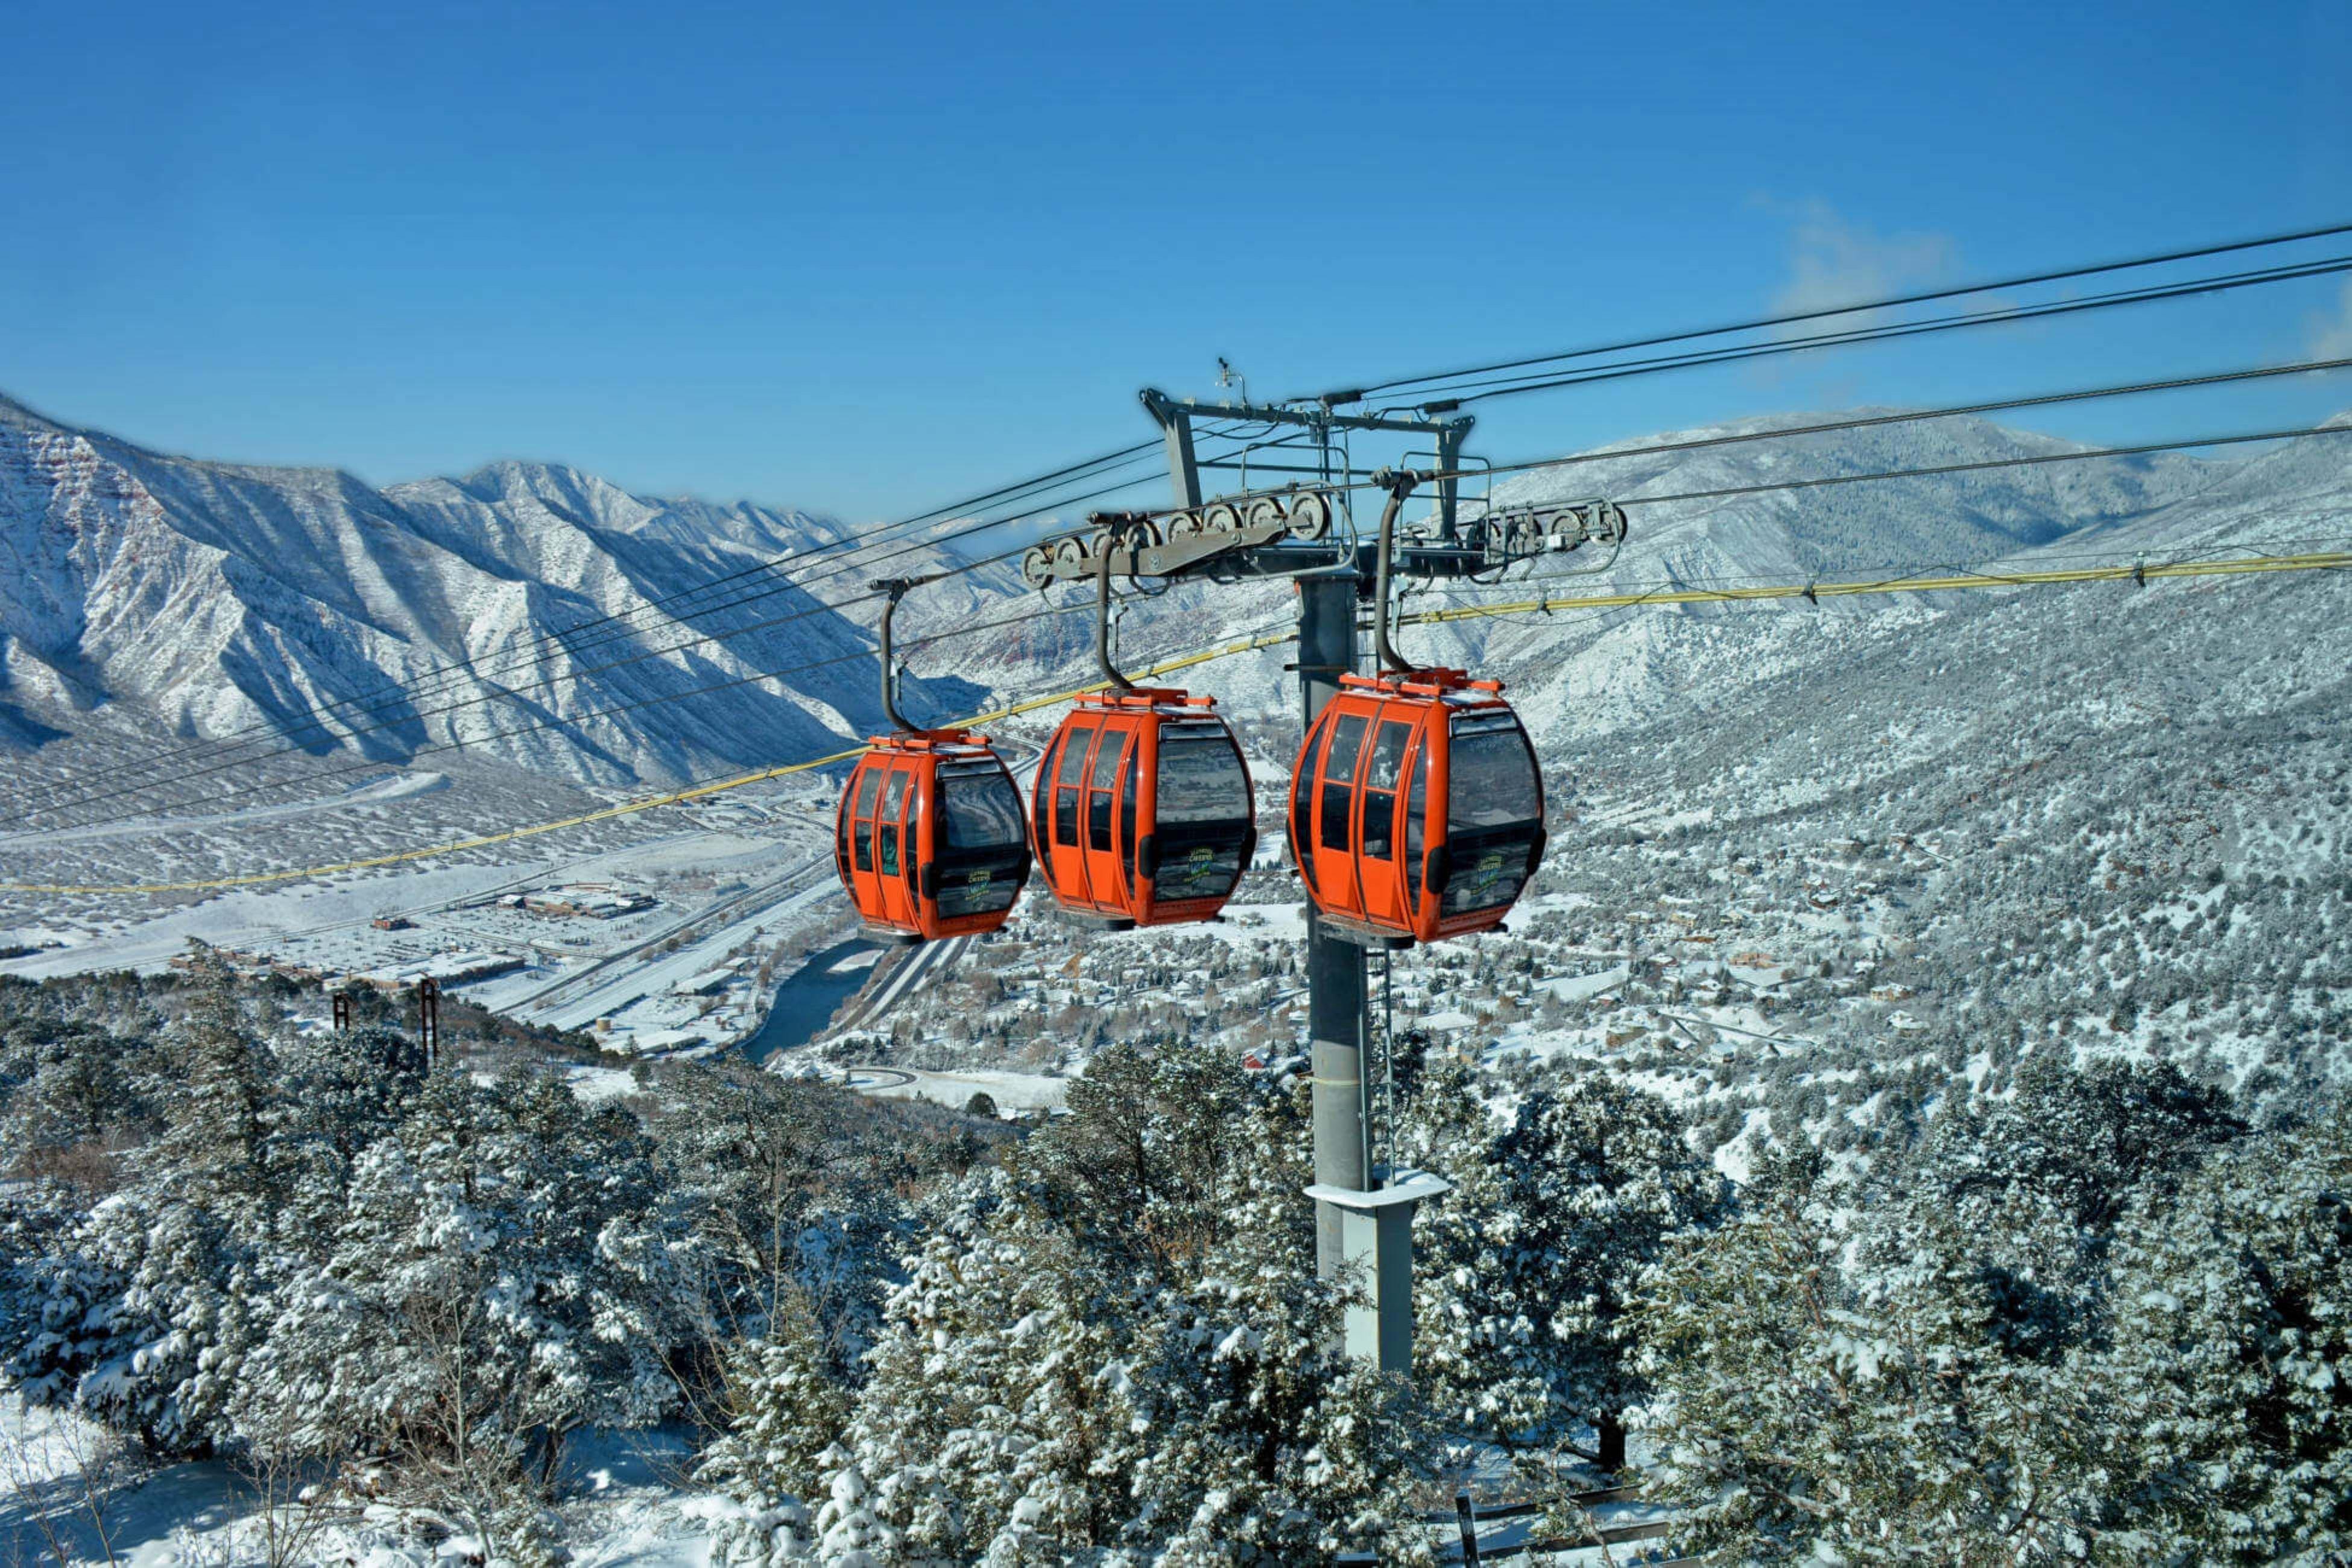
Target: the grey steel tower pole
(1334, 968)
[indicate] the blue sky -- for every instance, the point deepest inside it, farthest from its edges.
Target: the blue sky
(866, 257)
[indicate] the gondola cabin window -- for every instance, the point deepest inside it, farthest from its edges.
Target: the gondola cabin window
(1202, 822)
(984, 860)
(1494, 813)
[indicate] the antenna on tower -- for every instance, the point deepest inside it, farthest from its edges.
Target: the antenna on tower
(1228, 376)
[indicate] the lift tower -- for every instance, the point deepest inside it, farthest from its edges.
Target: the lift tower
(1338, 1017)
(1303, 529)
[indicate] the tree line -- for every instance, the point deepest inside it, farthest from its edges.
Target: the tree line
(2101, 1318)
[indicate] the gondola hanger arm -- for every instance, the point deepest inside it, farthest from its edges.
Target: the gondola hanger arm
(893, 589)
(1399, 483)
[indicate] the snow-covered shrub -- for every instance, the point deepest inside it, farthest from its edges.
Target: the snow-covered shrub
(2231, 1370)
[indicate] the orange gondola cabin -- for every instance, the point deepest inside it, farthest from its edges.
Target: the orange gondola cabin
(1142, 813)
(928, 840)
(1416, 809)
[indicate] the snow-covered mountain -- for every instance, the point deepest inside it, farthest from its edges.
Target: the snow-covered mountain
(203, 599)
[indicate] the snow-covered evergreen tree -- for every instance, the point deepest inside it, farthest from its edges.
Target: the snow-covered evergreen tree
(1527, 1270)
(2231, 1373)
(783, 1409)
(1807, 1412)
(1118, 1352)
(503, 1277)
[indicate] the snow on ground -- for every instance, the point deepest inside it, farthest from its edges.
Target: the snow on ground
(600, 1083)
(70, 1492)
(1011, 1090)
(376, 792)
(254, 918)
(1584, 987)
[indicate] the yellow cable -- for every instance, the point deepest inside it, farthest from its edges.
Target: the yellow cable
(2330, 561)
(2336, 561)
(626, 808)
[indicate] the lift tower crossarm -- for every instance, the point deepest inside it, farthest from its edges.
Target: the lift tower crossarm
(1162, 405)
(1175, 416)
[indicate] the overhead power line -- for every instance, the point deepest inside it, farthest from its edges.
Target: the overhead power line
(2005, 315)
(1913, 416)
(2137, 449)
(2137, 571)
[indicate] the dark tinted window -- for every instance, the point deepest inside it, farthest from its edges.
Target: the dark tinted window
(1066, 779)
(977, 889)
(1486, 875)
(1099, 790)
(1201, 778)
(869, 780)
(1206, 870)
(1127, 810)
(1492, 782)
(1338, 777)
(980, 808)
(1302, 792)
(1043, 809)
(1379, 786)
(1074, 755)
(1416, 830)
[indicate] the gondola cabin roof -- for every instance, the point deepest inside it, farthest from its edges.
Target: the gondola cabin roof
(1453, 687)
(1167, 700)
(943, 744)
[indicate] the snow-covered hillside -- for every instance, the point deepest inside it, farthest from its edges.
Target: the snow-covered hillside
(1604, 670)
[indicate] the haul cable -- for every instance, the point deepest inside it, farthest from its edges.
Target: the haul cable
(2138, 571)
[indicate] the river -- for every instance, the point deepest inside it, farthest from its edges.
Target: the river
(809, 995)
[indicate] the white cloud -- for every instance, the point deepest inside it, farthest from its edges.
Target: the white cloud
(1834, 261)
(2330, 331)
